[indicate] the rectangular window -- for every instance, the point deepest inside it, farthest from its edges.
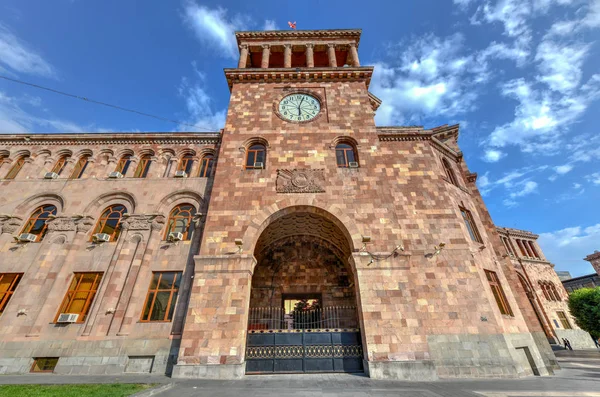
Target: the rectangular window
(498, 293)
(162, 295)
(8, 284)
(470, 223)
(44, 364)
(80, 295)
(564, 320)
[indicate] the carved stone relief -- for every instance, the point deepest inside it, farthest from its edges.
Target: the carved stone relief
(300, 181)
(61, 224)
(11, 225)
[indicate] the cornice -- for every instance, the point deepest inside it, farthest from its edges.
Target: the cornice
(297, 75)
(112, 139)
(445, 149)
(375, 102)
(516, 232)
(591, 257)
(299, 34)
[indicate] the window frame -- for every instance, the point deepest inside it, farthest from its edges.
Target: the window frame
(123, 164)
(172, 303)
(102, 220)
(253, 149)
(498, 292)
(143, 167)
(469, 222)
(6, 295)
(344, 151)
(73, 290)
(171, 221)
(80, 167)
(186, 163)
(35, 362)
(33, 218)
(60, 164)
(450, 174)
(16, 167)
(206, 166)
(564, 320)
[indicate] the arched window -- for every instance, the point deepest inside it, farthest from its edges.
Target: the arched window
(256, 156)
(37, 221)
(186, 163)
(80, 167)
(123, 164)
(449, 172)
(110, 221)
(554, 292)
(544, 290)
(14, 170)
(143, 167)
(180, 220)
(60, 164)
(345, 155)
(206, 166)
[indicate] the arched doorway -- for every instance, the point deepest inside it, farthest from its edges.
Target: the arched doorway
(303, 309)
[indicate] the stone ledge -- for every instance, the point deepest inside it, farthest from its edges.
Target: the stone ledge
(197, 371)
(401, 370)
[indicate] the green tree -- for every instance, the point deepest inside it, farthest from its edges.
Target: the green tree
(585, 307)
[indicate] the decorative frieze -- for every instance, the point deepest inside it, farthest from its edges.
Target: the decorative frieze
(300, 181)
(62, 224)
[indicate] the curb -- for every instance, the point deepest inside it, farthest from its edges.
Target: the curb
(153, 391)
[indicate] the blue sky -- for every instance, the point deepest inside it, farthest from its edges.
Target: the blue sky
(520, 76)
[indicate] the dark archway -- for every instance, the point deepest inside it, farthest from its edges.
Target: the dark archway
(303, 309)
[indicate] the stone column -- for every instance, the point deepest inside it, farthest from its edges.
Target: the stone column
(310, 56)
(354, 55)
(331, 55)
(172, 166)
(111, 165)
(266, 52)
(287, 55)
(243, 56)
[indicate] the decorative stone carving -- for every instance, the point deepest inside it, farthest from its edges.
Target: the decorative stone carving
(61, 224)
(300, 181)
(85, 224)
(158, 223)
(11, 225)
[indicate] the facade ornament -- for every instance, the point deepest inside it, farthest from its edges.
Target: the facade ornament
(158, 223)
(84, 224)
(11, 225)
(300, 181)
(61, 224)
(142, 222)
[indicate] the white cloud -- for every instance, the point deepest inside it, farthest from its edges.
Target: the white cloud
(561, 65)
(213, 27)
(430, 77)
(16, 55)
(563, 169)
(270, 25)
(492, 156)
(199, 106)
(525, 188)
(590, 20)
(567, 247)
(593, 178)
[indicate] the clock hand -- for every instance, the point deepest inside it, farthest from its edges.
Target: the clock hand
(300, 104)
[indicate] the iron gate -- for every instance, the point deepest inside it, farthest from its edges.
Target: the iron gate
(317, 340)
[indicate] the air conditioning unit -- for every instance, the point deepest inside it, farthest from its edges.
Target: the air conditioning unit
(115, 174)
(27, 238)
(177, 236)
(101, 237)
(353, 164)
(260, 165)
(50, 175)
(67, 318)
(180, 174)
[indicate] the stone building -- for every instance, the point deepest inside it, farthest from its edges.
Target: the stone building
(589, 280)
(300, 238)
(543, 287)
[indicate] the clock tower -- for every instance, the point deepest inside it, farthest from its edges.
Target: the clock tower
(330, 244)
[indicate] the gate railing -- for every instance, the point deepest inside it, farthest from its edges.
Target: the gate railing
(328, 317)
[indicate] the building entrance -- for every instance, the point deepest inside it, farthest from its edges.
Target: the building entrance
(303, 313)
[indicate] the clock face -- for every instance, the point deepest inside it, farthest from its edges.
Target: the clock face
(299, 107)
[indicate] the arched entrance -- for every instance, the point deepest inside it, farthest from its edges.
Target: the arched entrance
(303, 309)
